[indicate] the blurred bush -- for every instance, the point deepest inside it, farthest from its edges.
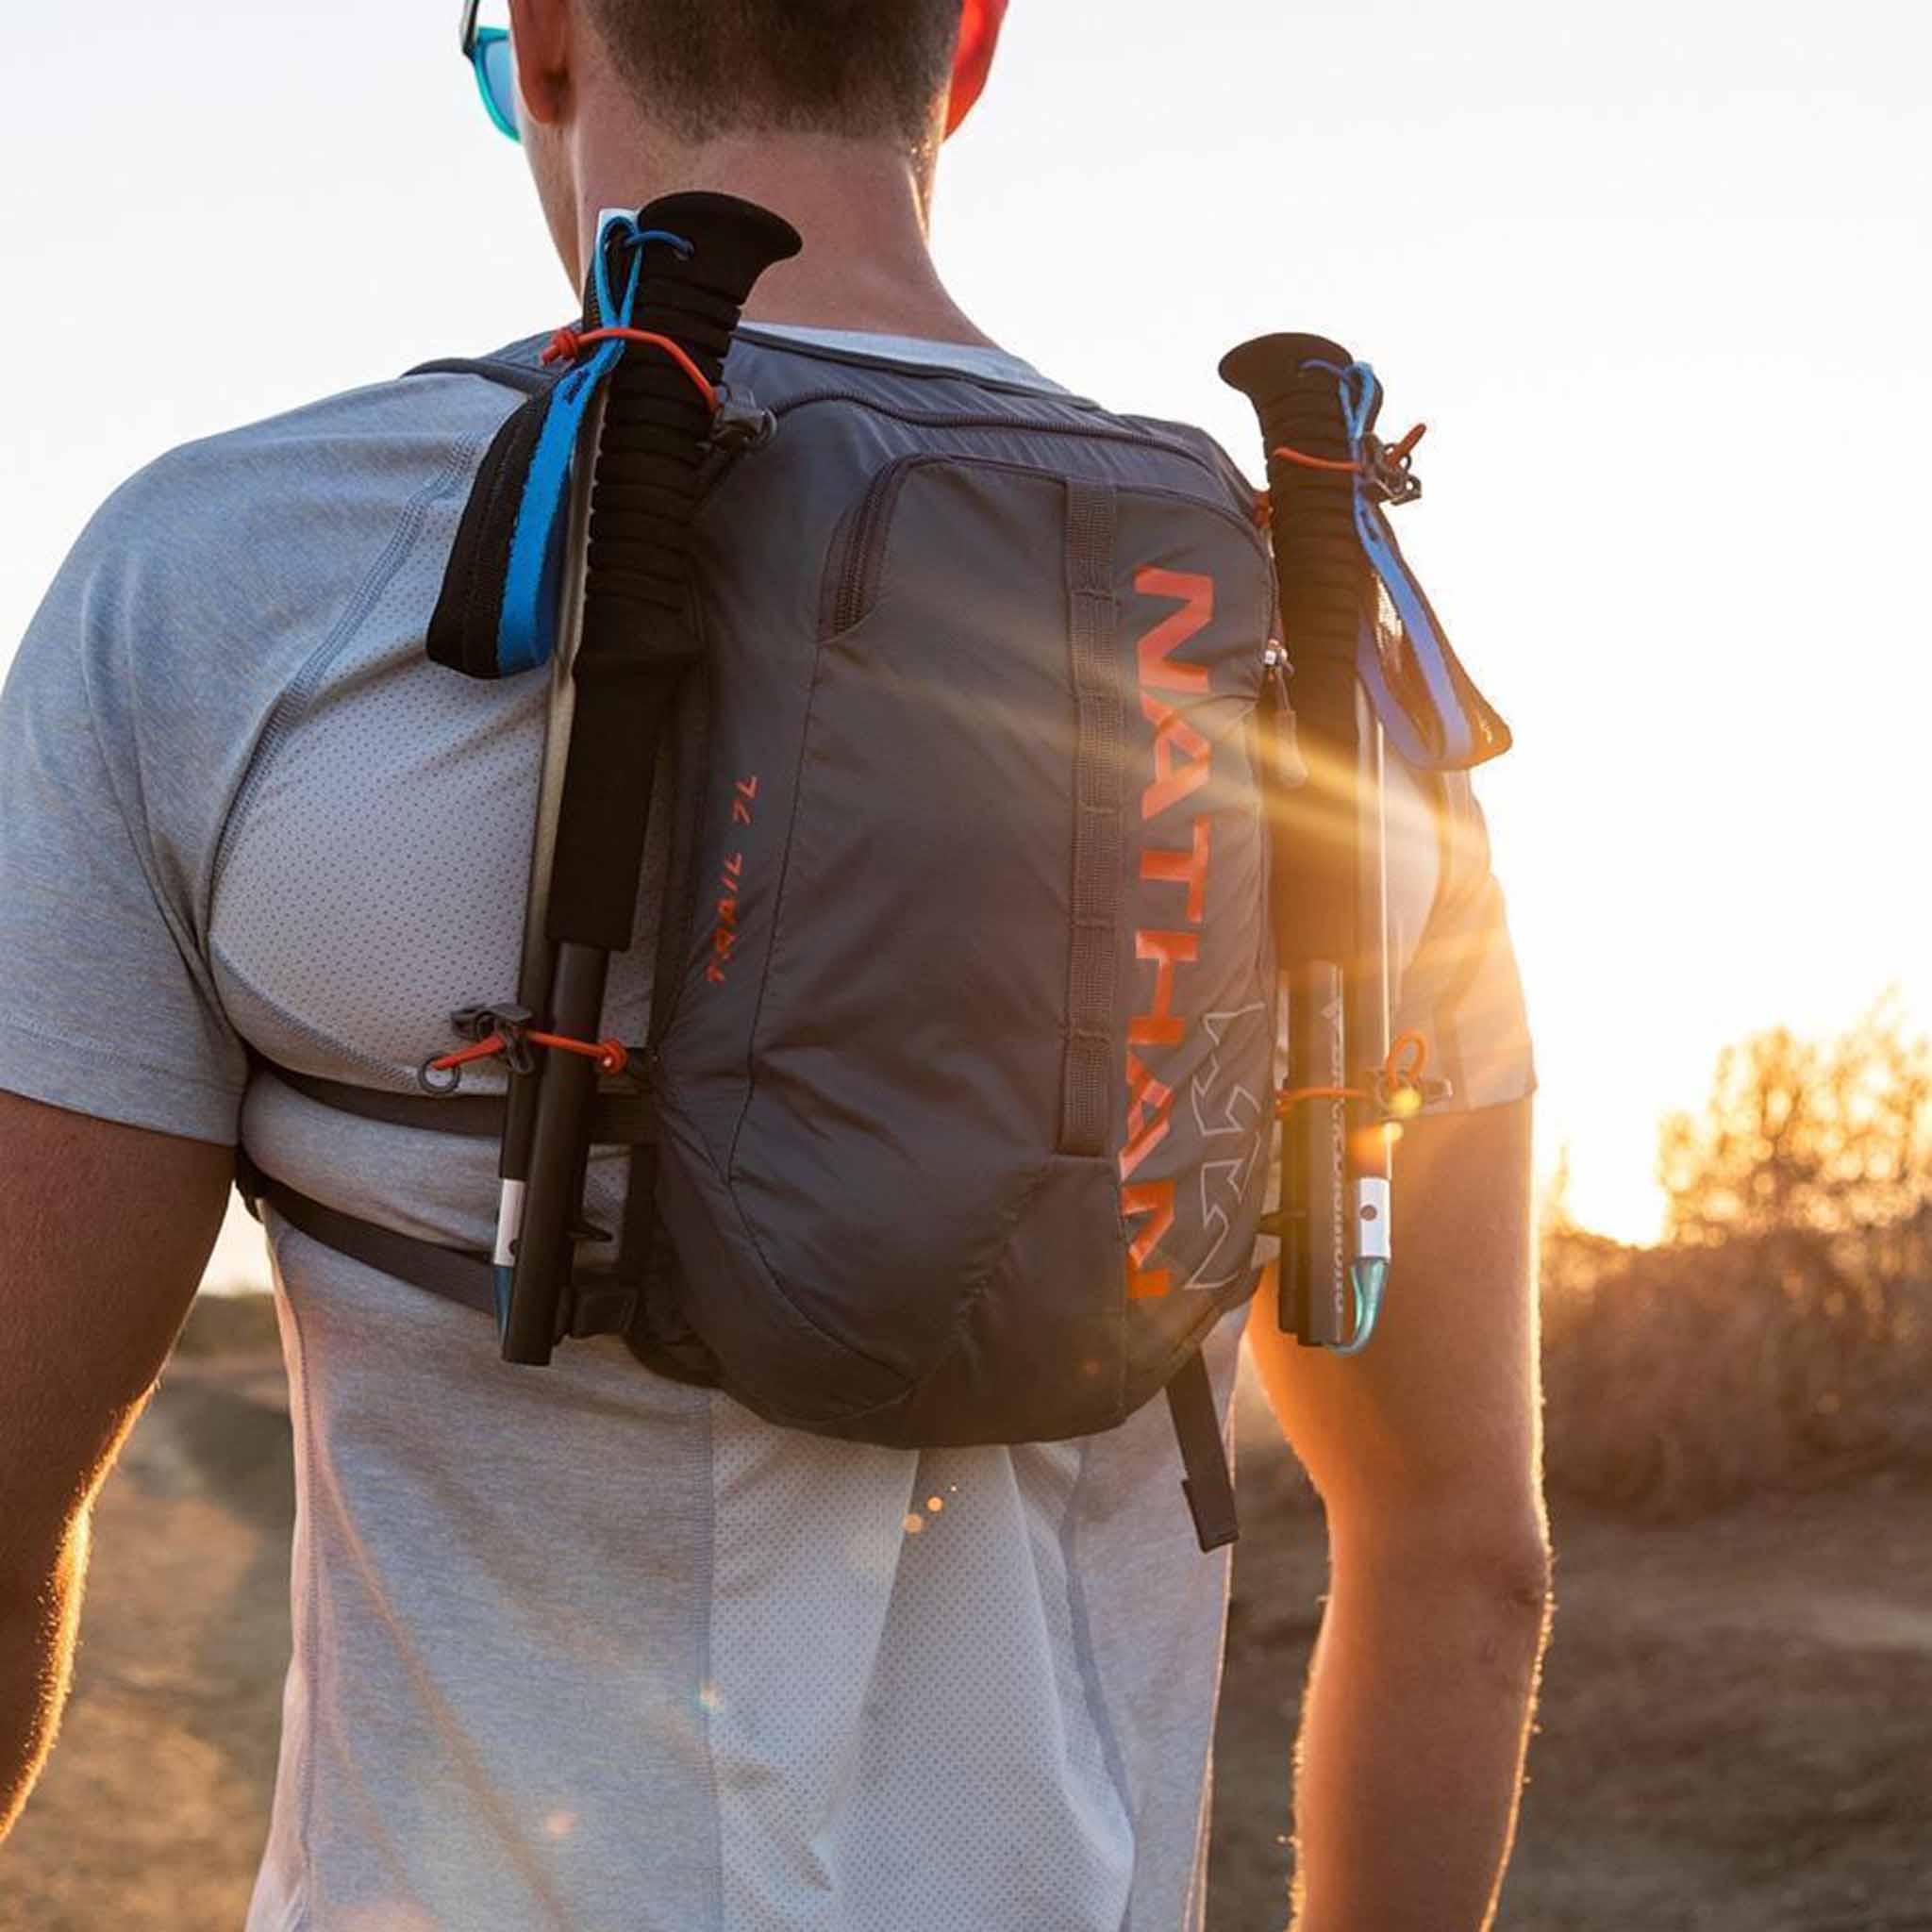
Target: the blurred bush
(220, 1325)
(1781, 1336)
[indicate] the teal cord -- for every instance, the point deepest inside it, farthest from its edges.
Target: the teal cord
(1367, 1279)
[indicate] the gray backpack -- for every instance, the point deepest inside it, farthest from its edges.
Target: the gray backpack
(964, 1089)
(952, 1124)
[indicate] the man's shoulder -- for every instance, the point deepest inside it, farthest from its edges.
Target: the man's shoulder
(210, 579)
(375, 433)
(274, 517)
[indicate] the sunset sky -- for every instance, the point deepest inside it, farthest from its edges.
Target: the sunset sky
(1656, 274)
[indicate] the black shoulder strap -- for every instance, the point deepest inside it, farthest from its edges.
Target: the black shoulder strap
(622, 1115)
(491, 367)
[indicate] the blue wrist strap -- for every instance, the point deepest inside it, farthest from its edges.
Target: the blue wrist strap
(498, 614)
(1435, 718)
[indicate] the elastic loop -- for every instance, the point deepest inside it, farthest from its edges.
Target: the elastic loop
(642, 237)
(1399, 1090)
(612, 1055)
(567, 344)
(1306, 462)
(442, 1074)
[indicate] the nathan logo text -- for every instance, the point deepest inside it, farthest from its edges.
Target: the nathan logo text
(1183, 762)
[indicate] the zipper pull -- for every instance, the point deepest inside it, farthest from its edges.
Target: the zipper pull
(1287, 768)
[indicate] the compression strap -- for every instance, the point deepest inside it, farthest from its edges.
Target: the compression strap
(622, 1115)
(600, 1305)
(1208, 1484)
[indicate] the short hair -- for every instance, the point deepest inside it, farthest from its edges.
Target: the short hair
(847, 67)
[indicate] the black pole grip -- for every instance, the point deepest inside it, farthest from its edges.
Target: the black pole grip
(636, 638)
(1322, 579)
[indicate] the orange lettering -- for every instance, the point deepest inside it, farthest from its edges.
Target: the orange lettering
(1156, 1200)
(1188, 868)
(1160, 1026)
(1158, 672)
(1147, 1104)
(1182, 764)
(1172, 734)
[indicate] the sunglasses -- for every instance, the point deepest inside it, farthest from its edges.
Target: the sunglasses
(486, 50)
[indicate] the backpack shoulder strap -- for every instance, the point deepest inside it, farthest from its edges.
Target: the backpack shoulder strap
(517, 375)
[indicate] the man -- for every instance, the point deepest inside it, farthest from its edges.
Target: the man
(590, 1647)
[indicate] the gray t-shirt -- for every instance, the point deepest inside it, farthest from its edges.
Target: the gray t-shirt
(582, 1648)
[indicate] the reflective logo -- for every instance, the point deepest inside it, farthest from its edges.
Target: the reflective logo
(1183, 761)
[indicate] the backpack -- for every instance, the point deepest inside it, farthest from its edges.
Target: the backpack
(952, 1122)
(963, 1084)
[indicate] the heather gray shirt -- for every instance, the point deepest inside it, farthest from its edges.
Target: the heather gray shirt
(582, 1648)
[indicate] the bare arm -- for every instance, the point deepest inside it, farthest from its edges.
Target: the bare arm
(103, 1232)
(1426, 1451)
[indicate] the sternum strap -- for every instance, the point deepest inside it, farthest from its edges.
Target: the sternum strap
(621, 1117)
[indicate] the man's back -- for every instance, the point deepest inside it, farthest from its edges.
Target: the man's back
(589, 1645)
(588, 1634)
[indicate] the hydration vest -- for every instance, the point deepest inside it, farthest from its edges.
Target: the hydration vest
(953, 1119)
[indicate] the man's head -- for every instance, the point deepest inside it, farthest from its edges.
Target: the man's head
(671, 78)
(857, 69)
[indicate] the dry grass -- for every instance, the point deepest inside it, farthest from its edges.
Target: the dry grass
(1684, 1377)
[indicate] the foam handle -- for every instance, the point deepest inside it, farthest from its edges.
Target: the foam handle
(1322, 577)
(636, 638)
(1315, 829)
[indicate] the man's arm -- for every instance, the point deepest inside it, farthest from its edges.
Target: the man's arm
(103, 1233)
(1426, 1450)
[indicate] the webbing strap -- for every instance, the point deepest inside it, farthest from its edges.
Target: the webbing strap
(600, 1305)
(1088, 1076)
(494, 369)
(457, 1275)
(1208, 1484)
(618, 1119)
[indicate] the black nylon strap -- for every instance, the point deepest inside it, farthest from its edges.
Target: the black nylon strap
(601, 1304)
(1208, 1484)
(617, 1119)
(494, 369)
(1088, 1076)
(457, 1275)
(477, 1116)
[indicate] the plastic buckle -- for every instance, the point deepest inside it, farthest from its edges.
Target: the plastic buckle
(1389, 477)
(1402, 1100)
(512, 1023)
(598, 1306)
(738, 423)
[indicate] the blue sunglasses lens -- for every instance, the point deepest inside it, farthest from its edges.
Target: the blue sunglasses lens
(496, 79)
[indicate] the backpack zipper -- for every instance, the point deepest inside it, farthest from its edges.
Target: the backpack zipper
(862, 554)
(860, 544)
(987, 419)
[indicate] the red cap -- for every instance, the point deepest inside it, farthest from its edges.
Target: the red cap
(979, 32)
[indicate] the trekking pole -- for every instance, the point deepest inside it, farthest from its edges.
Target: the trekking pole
(538, 959)
(1327, 842)
(698, 257)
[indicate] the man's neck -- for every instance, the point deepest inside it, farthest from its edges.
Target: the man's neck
(860, 207)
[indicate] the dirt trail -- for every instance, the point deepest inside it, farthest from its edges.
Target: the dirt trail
(1737, 1730)
(154, 1810)
(1736, 1733)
